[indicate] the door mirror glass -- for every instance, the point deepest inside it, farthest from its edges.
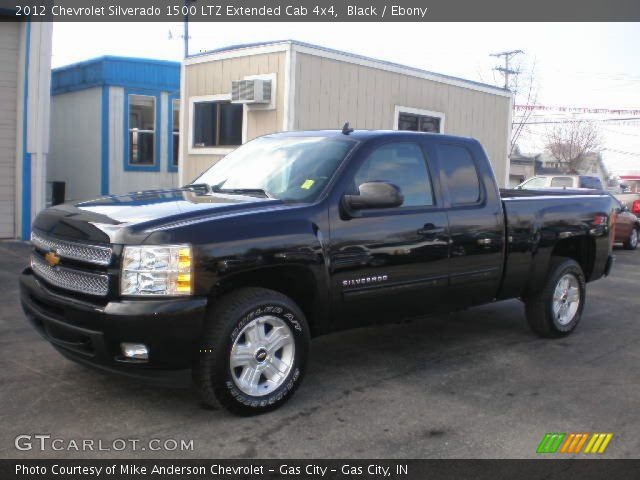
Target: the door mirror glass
(375, 195)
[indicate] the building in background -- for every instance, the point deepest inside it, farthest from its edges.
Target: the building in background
(289, 85)
(522, 166)
(25, 75)
(114, 126)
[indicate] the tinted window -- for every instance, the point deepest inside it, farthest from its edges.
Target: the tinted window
(403, 165)
(591, 182)
(561, 182)
(217, 124)
(461, 173)
(418, 123)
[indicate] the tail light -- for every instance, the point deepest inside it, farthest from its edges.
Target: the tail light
(635, 208)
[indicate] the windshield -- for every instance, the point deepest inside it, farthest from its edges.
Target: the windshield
(286, 168)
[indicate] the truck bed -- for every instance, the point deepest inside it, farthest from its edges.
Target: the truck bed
(538, 224)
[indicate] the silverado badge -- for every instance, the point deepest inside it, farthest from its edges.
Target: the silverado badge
(52, 258)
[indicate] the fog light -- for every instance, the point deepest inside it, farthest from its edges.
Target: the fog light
(137, 351)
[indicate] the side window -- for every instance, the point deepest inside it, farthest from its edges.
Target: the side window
(217, 124)
(142, 128)
(562, 182)
(462, 176)
(536, 182)
(402, 164)
(418, 123)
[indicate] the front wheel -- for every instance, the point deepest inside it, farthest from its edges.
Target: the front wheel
(254, 351)
(632, 241)
(556, 309)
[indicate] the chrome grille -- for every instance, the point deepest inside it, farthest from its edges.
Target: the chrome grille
(77, 251)
(70, 279)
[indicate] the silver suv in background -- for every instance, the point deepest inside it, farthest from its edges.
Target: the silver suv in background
(561, 181)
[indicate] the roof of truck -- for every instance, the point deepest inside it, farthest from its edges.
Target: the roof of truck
(364, 135)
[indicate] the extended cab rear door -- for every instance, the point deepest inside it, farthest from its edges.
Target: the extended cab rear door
(476, 221)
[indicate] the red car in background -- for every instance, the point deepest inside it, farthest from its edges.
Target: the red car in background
(627, 224)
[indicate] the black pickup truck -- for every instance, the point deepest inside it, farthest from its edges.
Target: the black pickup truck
(294, 235)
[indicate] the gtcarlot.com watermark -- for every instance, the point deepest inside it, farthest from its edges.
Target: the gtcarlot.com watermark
(46, 442)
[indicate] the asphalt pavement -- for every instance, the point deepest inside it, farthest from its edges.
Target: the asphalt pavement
(474, 384)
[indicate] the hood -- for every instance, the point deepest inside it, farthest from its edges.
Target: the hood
(108, 219)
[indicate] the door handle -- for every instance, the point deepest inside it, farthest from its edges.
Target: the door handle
(430, 229)
(485, 241)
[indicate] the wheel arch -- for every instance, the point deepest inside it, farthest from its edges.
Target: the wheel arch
(581, 249)
(298, 282)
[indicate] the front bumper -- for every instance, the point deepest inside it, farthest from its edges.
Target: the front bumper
(91, 333)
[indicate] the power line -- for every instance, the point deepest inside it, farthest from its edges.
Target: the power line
(636, 154)
(568, 109)
(630, 119)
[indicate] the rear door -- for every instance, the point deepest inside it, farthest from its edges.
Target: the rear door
(390, 262)
(476, 222)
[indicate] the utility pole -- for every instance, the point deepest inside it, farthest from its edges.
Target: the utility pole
(506, 70)
(187, 5)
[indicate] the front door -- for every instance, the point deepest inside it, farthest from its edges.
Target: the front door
(389, 263)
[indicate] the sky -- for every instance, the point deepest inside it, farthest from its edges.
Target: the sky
(595, 65)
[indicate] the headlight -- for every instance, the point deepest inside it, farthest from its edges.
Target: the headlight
(152, 270)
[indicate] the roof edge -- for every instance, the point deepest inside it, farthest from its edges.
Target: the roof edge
(356, 57)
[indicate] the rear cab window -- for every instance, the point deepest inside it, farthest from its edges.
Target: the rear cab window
(461, 174)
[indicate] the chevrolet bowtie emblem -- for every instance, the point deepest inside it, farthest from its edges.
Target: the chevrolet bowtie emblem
(52, 258)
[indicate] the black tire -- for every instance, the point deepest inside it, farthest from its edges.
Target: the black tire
(223, 327)
(632, 241)
(539, 306)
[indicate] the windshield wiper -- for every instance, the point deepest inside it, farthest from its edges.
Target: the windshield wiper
(243, 191)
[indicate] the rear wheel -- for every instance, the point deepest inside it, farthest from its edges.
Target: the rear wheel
(556, 309)
(254, 351)
(632, 241)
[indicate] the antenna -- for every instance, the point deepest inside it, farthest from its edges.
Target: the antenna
(346, 130)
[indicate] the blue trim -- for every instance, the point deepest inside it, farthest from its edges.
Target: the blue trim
(105, 139)
(158, 131)
(124, 72)
(26, 156)
(170, 166)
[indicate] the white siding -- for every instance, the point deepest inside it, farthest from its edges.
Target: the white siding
(76, 147)
(124, 181)
(9, 55)
(214, 78)
(329, 92)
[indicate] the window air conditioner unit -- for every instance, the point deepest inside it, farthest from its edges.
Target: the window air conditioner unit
(255, 91)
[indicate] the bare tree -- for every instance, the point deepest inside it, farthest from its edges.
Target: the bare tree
(569, 142)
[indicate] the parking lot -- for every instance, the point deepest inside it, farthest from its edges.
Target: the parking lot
(475, 384)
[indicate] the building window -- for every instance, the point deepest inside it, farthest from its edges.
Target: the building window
(217, 124)
(175, 132)
(415, 122)
(142, 122)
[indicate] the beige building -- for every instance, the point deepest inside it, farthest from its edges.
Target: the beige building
(25, 72)
(311, 87)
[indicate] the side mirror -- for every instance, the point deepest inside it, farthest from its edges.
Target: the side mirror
(375, 195)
